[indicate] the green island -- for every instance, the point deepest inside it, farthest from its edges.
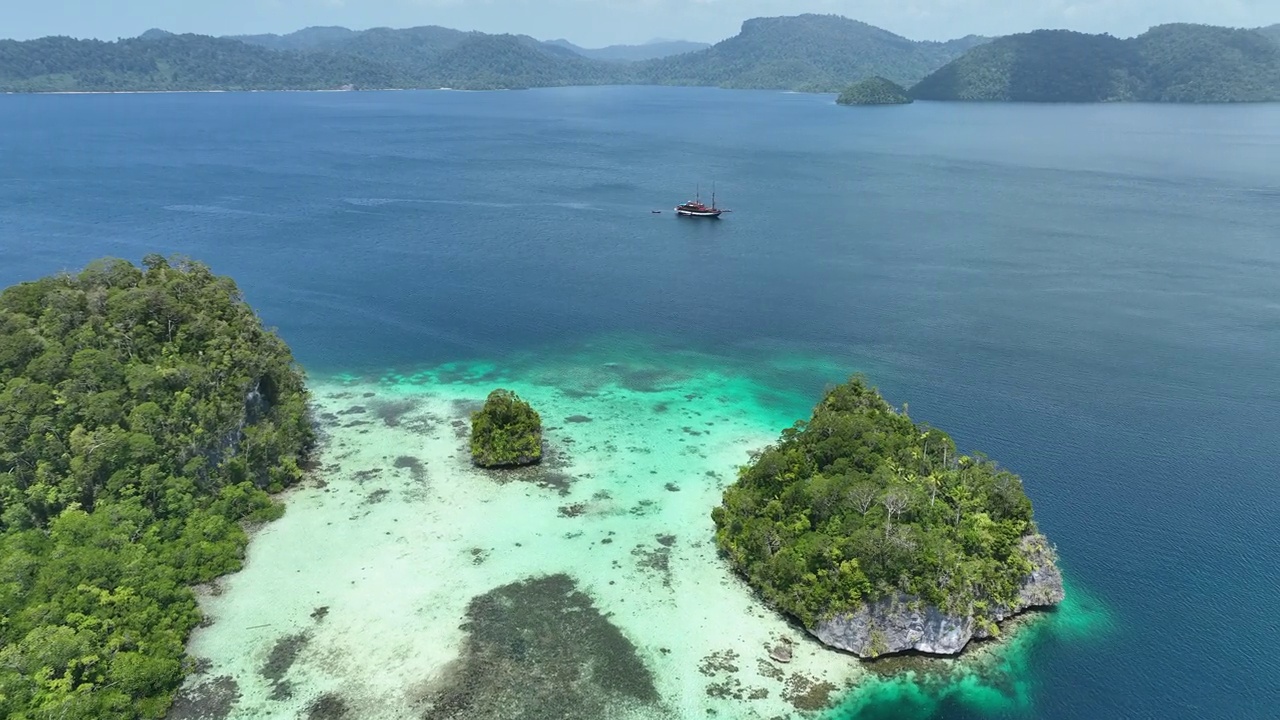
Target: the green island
(506, 432)
(879, 537)
(145, 414)
(874, 91)
(1168, 63)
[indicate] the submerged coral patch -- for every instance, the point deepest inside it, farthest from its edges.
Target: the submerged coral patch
(541, 649)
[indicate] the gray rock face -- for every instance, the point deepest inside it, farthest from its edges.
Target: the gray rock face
(902, 622)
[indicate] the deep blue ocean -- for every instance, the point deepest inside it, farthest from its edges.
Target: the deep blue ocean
(1090, 294)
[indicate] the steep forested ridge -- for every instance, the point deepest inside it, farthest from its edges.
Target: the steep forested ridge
(1168, 63)
(859, 503)
(417, 58)
(807, 52)
(177, 62)
(144, 412)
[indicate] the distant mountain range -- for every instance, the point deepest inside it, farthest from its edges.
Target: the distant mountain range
(653, 50)
(1168, 63)
(1174, 63)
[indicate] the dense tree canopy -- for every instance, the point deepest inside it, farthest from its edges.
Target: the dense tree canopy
(178, 62)
(143, 412)
(859, 503)
(874, 91)
(506, 432)
(1169, 63)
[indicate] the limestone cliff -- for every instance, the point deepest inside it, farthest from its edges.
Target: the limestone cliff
(901, 622)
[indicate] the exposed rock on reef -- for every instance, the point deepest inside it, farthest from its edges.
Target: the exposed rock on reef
(903, 623)
(506, 432)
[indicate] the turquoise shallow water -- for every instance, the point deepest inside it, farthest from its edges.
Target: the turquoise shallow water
(1086, 293)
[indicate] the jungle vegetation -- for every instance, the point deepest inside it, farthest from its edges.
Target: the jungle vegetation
(859, 503)
(506, 432)
(145, 413)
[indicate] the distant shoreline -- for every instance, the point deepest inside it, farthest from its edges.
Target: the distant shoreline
(930, 101)
(294, 90)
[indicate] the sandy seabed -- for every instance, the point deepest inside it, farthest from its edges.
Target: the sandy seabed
(404, 583)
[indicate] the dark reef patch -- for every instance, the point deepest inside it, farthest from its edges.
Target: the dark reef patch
(577, 419)
(417, 470)
(328, 707)
(212, 699)
(657, 560)
(465, 408)
(808, 694)
(573, 511)
(283, 655)
(540, 649)
(354, 410)
(646, 380)
(392, 411)
(376, 496)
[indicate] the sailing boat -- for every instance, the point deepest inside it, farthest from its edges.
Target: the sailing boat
(696, 208)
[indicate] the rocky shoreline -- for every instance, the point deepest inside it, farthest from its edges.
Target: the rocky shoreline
(903, 623)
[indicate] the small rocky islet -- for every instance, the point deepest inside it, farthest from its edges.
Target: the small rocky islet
(874, 91)
(879, 538)
(506, 432)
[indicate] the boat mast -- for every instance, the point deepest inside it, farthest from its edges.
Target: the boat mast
(713, 195)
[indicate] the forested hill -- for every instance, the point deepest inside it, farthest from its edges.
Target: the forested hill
(1168, 63)
(1271, 31)
(143, 412)
(162, 61)
(177, 62)
(807, 52)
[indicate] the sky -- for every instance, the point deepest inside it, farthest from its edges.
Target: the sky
(594, 23)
